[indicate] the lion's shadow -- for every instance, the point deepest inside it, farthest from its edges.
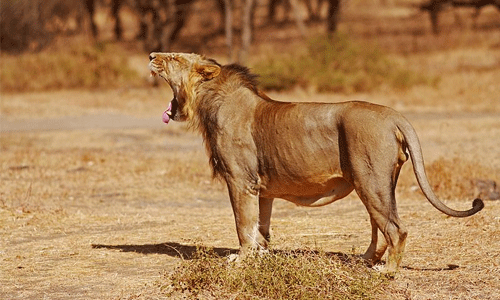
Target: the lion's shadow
(188, 252)
(170, 248)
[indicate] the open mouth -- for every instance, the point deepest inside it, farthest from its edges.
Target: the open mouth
(167, 114)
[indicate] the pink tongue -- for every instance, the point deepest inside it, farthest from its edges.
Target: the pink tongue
(165, 116)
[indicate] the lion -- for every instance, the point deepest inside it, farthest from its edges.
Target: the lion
(311, 154)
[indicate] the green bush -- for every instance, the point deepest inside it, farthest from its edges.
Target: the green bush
(334, 64)
(281, 275)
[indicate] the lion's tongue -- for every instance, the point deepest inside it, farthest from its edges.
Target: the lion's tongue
(165, 116)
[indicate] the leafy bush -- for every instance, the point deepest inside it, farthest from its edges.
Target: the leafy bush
(281, 275)
(95, 66)
(334, 64)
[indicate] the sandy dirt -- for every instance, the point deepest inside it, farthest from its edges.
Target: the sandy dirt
(98, 204)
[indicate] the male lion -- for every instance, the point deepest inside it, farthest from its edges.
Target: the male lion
(311, 154)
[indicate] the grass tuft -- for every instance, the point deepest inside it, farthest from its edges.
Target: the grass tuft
(335, 64)
(277, 275)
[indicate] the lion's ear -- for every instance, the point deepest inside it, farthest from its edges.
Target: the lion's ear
(208, 71)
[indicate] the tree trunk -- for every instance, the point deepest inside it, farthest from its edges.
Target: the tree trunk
(246, 35)
(115, 12)
(333, 15)
(228, 9)
(298, 20)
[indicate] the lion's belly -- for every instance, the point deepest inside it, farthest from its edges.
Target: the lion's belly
(306, 193)
(299, 156)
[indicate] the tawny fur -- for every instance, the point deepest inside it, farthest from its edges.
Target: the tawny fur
(308, 153)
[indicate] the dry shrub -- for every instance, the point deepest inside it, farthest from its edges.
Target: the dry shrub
(278, 275)
(336, 64)
(452, 178)
(97, 66)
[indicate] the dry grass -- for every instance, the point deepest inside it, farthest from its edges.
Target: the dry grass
(98, 66)
(452, 178)
(336, 64)
(280, 275)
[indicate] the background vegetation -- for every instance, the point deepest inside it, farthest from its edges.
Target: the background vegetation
(31, 25)
(335, 63)
(324, 64)
(82, 67)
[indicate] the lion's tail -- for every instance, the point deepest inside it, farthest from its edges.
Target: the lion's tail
(417, 159)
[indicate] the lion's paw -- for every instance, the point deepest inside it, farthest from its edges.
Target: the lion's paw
(233, 258)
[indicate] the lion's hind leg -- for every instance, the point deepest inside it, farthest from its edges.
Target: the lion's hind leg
(265, 210)
(377, 246)
(384, 217)
(375, 185)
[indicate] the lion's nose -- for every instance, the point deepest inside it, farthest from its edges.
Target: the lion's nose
(152, 56)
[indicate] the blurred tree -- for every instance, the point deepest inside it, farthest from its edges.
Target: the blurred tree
(31, 24)
(115, 9)
(314, 11)
(272, 5)
(228, 27)
(174, 25)
(246, 31)
(160, 20)
(434, 7)
(332, 18)
(90, 6)
(115, 5)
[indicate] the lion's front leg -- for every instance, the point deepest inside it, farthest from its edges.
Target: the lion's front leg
(245, 204)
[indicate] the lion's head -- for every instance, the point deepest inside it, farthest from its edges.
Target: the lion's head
(183, 72)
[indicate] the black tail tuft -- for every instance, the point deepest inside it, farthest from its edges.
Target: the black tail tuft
(477, 205)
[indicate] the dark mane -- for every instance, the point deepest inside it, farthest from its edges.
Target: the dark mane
(231, 77)
(248, 79)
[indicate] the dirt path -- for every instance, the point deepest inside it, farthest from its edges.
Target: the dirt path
(102, 205)
(106, 121)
